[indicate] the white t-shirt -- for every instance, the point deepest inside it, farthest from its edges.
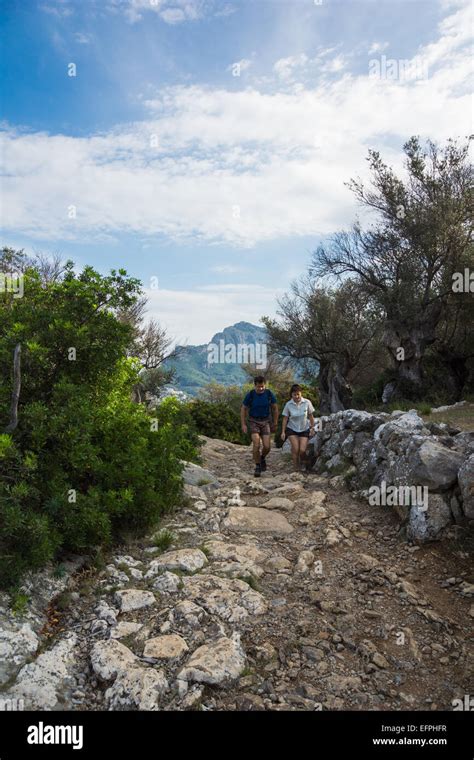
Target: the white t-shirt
(298, 414)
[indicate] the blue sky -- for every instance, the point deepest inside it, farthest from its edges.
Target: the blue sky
(206, 143)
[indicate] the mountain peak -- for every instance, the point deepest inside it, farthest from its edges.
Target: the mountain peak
(241, 332)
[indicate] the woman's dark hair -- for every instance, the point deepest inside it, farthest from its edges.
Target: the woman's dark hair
(259, 379)
(295, 388)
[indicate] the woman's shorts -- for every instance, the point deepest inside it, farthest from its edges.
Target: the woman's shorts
(262, 427)
(304, 434)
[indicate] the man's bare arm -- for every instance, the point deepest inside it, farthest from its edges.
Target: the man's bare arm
(275, 415)
(243, 418)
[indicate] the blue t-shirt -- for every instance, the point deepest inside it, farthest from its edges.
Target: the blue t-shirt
(259, 403)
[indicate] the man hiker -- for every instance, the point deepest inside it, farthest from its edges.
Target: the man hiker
(262, 407)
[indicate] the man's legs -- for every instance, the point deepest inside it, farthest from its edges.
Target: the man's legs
(256, 447)
(266, 443)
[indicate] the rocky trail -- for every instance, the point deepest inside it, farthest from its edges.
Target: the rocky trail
(279, 593)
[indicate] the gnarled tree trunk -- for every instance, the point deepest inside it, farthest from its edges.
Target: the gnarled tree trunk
(407, 341)
(335, 390)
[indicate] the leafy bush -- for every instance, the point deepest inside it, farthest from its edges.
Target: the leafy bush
(217, 420)
(85, 464)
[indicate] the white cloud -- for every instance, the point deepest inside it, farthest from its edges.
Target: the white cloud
(170, 11)
(83, 39)
(378, 47)
(334, 65)
(173, 15)
(227, 269)
(60, 10)
(285, 68)
(301, 68)
(174, 309)
(235, 167)
(227, 10)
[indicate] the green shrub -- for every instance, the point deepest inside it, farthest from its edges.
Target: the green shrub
(85, 465)
(218, 420)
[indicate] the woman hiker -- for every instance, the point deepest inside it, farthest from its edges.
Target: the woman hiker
(262, 407)
(298, 424)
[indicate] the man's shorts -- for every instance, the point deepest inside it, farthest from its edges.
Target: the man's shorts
(304, 434)
(259, 426)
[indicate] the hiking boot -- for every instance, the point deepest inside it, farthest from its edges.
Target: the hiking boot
(258, 471)
(263, 464)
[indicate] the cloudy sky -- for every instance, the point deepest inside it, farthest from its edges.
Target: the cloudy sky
(206, 143)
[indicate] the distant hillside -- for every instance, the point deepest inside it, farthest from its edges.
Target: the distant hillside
(193, 370)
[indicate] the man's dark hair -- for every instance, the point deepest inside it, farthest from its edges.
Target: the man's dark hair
(295, 388)
(259, 379)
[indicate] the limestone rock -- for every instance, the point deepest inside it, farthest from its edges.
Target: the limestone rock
(187, 614)
(379, 660)
(194, 493)
(254, 487)
(288, 488)
(242, 553)
(305, 560)
(276, 564)
(138, 687)
(279, 502)
(109, 658)
(125, 559)
(230, 599)
(125, 628)
(367, 561)
(314, 516)
(435, 465)
(215, 663)
(194, 475)
(41, 684)
(313, 502)
(134, 599)
(191, 697)
(255, 519)
(118, 577)
(333, 537)
(167, 582)
(358, 420)
(16, 645)
(399, 428)
(170, 647)
(188, 560)
(426, 525)
(466, 482)
(107, 613)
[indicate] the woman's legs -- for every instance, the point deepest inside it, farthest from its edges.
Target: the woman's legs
(303, 441)
(295, 450)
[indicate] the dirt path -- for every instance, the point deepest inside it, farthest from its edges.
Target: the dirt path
(284, 593)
